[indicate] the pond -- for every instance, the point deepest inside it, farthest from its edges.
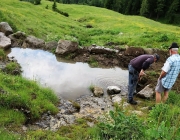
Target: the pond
(68, 79)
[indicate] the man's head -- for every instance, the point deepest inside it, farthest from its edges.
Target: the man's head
(156, 57)
(173, 48)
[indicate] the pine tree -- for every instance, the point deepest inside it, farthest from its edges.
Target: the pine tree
(170, 15)
(144, 8)
(160, 8)
(136, 5)
(54, 6)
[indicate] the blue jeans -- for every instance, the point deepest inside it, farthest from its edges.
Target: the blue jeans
(133, 80)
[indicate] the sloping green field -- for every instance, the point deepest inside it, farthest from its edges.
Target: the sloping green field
(107, 26)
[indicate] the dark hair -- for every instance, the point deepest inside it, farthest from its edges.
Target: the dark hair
(156, 56)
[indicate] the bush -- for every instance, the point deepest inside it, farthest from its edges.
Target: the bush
(121, 127)
(162, 38)
(164, 123)
(174, 99)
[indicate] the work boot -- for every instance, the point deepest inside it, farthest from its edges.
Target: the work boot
(132, 102)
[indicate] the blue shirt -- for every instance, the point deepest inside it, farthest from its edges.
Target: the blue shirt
(171, 75)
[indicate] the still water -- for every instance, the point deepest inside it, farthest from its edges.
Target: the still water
(69, 80)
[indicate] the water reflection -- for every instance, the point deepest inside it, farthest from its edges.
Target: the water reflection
(69, 80)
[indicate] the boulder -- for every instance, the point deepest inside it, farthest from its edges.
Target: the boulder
(113, 90)
(52, 45)
(147, 92)
(5, 42)
(17, 39)
(33, 42)
(5, 28)
(98, 91)
(65, 47)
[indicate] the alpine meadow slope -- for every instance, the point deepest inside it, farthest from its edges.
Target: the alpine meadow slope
(86, 25)
(23, 101)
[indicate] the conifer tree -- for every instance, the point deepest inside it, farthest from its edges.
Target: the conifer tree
(160, 8)
(144, 8)
(172, 11)
(54, 6)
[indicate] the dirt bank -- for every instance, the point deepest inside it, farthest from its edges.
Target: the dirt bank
(122, 59)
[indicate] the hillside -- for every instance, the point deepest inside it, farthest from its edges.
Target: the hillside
(23, 102)
(86, 24)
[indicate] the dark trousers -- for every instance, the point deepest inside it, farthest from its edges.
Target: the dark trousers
(133, 80)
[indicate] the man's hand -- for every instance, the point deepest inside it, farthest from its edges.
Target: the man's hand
(163, 73)
(141, 74)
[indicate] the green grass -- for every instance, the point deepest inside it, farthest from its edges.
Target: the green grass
(5, 135)
(19, 95)
(108, 26)
(11, 117)
(26, 96)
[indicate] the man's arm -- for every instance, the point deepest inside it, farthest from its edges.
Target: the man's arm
(163, 73)
(165, 69)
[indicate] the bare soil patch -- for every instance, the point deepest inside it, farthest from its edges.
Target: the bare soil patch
(122, 59)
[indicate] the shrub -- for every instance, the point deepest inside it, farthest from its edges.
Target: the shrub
(164, 123)
(162, 38)
(121, 126)
(174, 99)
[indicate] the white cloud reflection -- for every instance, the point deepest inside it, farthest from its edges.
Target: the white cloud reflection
(69, 80)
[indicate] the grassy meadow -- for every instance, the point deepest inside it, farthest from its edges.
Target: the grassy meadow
(23, 101)
(107, 26)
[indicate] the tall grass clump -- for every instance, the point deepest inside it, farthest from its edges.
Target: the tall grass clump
(119, 126)
(174, 99)
(12, 68)
(11, 117)
(164, 122)
(6, 135)
(26, 96)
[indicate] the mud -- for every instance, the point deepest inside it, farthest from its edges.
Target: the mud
(122, 59)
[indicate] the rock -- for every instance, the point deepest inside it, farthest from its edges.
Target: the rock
(113, 90)
(116, 99)
(33, 42)
(5, 28)
(147, 92)
(17, 39)
(98, 91)
(102, 50)
(5, 42)
(65, 47)
(51, 45)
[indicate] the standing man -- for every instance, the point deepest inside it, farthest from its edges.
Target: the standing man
(169, 73)
(136, 68)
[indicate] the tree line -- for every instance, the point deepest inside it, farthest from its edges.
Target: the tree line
(167, 10)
